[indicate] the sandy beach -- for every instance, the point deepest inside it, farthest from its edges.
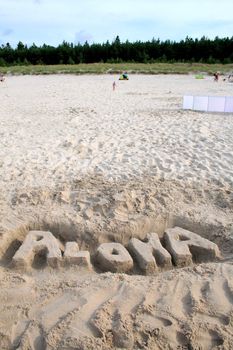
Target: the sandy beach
(93, 165)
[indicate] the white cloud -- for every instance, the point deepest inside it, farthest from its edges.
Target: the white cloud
(82, 36)
(7, 32)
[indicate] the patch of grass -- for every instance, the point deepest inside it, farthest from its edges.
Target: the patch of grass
(118, 68)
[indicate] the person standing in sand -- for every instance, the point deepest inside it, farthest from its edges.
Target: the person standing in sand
(114, 86)
(216, 76)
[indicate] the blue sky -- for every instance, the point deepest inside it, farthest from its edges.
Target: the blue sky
(52, 21)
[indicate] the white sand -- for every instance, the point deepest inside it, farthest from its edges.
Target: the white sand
(93, 164)
(69, 126)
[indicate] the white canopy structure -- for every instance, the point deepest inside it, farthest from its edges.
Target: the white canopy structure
(209, 103)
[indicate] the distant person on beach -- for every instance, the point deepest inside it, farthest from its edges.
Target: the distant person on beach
(114, 86)
(216, 76)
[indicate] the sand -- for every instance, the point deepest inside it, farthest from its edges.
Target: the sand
(93, 165)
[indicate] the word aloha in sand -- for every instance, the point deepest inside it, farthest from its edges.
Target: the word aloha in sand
(180, 243)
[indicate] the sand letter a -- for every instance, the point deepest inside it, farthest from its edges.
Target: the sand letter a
(183, 244)
(35, 242)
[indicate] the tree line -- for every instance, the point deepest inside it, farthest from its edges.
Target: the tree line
(218, 50)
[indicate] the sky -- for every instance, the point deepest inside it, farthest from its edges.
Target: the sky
(53, 21)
